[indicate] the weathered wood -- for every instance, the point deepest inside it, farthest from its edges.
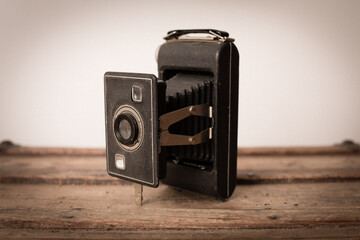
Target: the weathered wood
(323, 168)
(93, 207)
(251, 169)
(47, 151)
(320, 150)
(55, 170)
(78, 199)
(281, 233)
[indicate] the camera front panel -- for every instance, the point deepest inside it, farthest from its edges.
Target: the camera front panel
(132, 127)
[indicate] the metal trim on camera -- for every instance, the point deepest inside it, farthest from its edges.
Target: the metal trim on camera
(120, 161)
(168, 119)
(135, 127)
(136, 93)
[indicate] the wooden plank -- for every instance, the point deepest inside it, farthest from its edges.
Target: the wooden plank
(251, 169)
(47, 151)
(55, 170)
(282, 233)
(94, 207)
(317, 168)
(347, 147)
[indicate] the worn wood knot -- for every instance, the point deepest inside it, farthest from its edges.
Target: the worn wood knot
(272, 217)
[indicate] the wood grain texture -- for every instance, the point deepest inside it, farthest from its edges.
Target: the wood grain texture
(173, 234)
(298, 168)
(251, 169)
(112, 207)
(344, 148)
(46, 151)
(55, 170)
(67, 193)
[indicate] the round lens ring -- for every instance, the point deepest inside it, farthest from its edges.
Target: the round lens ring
(126, 128)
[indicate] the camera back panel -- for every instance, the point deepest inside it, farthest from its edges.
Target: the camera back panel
(208, 168)
(132, 150)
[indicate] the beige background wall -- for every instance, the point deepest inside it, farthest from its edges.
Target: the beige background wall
(299, 74)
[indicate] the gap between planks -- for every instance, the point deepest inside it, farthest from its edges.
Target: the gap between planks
(210, 234)
(250, 169)
(347, 147)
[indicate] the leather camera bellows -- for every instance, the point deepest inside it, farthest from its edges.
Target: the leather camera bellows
(186, 89)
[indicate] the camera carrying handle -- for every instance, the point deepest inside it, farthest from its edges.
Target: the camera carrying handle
(175, 34)
(168, 119)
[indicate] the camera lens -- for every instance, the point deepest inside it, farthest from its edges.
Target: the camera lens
(126, 129)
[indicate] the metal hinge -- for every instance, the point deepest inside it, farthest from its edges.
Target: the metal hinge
(168, 119)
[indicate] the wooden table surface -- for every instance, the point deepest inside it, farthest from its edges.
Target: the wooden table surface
(302, 193)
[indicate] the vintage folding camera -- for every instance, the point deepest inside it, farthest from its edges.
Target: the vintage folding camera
(180, 128)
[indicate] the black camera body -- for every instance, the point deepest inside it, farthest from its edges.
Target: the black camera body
(182, 127)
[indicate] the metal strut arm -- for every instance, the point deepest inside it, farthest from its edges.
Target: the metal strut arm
(166, 120)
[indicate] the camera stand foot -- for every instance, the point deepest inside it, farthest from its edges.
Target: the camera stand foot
(138, 194)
